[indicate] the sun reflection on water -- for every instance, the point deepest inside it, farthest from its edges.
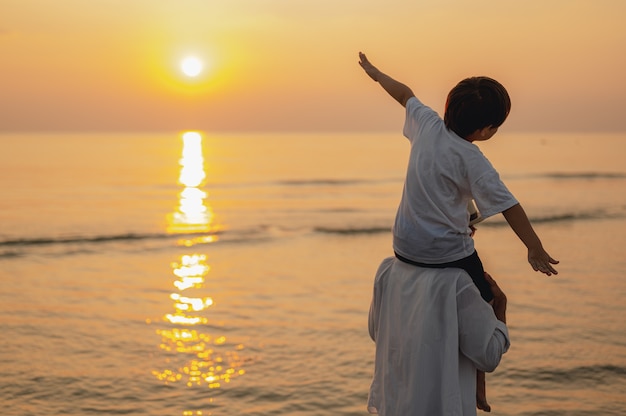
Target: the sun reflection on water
(192, 214)
(202, 358)
(193, 356)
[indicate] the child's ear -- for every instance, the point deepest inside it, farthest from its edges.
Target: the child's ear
(482, 134)
(487, 132)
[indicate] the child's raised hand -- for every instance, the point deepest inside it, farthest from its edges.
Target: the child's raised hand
(541, 261)
(370, 69)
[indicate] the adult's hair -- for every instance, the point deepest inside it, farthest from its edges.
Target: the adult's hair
(476, 103)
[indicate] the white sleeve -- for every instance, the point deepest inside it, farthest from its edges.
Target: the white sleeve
(374, 313)
(482, 337)
(491, 194)
(412, 106)
(498, 345)
(418, 116)
(372, 321)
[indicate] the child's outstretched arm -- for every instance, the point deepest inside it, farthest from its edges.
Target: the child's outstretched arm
(538, 258)
(400, 92)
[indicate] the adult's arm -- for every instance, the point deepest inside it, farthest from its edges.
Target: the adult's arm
(372, 321)
(499, 299)
(483, 336)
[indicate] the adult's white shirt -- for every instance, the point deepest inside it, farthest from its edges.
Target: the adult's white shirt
(432, 331)
(444, 173)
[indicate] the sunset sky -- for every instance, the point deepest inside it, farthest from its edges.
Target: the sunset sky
(291, 65)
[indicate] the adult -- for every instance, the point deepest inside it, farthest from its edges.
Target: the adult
(432, 332)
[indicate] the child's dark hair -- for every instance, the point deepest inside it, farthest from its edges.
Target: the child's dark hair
(476, 103)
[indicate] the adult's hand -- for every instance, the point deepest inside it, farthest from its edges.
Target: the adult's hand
(499, 298)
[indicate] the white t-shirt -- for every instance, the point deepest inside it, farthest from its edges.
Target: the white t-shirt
(444, 173)
(432, 331)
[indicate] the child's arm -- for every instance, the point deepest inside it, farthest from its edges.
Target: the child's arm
(538, 258)
(400, 92)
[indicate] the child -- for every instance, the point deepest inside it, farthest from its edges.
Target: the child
(446, 171)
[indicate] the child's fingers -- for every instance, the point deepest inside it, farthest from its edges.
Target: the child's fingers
(544, 265)
(534, 265)
(364, 60)
(546, 268)
(552, 269)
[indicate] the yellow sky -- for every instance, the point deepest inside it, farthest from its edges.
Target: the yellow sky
(291, 65)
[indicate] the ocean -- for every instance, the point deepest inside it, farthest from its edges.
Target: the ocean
(231, 274)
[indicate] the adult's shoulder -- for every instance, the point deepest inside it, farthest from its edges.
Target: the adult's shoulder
(463, 280)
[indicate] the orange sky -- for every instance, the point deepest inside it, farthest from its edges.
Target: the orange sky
(291, 65)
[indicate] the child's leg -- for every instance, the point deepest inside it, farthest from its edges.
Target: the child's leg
(474, 267)
(481, 392)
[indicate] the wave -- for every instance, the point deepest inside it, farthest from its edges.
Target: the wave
(590, 175)
(599, 374)
(586, 175)
(81, 244)
(12, 246)
(351, 230)
(497, 221)
(295, 183)
(346, 182)
(81, 239)
(599, 214)
(571, 175)
(324, 182)
(18, 247)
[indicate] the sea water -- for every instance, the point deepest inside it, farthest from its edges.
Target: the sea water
(227, 274)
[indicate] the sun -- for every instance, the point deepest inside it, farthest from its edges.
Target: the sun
(191, 66)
